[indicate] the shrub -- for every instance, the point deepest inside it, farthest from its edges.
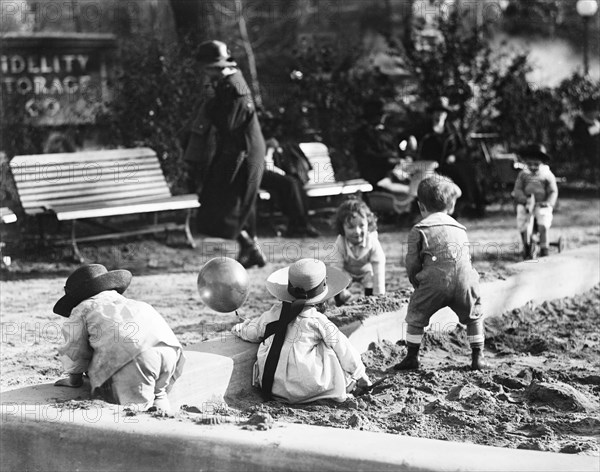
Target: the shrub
(154, 97)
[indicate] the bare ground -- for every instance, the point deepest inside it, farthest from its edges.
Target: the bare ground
(541, 392)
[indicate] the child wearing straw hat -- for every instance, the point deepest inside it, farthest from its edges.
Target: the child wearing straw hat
(303, 356)
(129, 352)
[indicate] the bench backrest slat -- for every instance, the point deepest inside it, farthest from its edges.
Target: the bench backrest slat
(85, 156)
(81, 186)
(318, 156)
(92, 194)
(88, 178)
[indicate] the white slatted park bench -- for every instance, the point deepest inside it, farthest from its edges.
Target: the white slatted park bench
(321, 178)
(95, 184)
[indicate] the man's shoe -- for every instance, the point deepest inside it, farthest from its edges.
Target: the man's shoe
(252, 256)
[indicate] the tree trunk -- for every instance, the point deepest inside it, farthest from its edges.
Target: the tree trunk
(239, 8)
(190, 17)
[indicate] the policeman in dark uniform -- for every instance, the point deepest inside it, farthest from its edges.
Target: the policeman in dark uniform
(224, 155)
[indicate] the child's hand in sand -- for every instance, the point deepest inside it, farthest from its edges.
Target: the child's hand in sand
(73, 380)
(363, 382)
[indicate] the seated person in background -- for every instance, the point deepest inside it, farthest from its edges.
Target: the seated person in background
(288, 192)
(441, 141)
(374, 145)
(535, 194)
(358, 252)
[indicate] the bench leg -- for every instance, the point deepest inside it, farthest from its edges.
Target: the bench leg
(188, 232)
(76, 254)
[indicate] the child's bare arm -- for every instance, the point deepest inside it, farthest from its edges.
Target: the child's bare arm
(378, 262)
(551, 191)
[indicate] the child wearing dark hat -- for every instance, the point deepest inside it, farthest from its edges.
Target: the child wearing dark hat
(535, 195)
(438, 262)
(303, 356)
(129, 352)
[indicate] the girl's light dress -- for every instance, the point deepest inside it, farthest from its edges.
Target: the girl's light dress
(317, 360)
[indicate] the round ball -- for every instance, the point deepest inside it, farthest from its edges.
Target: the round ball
(223, 284)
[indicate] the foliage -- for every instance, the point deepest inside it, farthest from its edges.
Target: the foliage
(493, 93)
(544, 114)
(154, 99)
(549, 18)
(460, 64)
(325, 99)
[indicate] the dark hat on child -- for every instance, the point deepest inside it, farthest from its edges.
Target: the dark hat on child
(307, 279)
(534, 151)
(215, 54)
(87, 281)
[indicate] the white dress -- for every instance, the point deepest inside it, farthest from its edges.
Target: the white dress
(317, 360)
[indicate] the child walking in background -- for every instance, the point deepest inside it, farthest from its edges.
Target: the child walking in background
(439, 267)
(303, 356)
(129, 352)
(357, 249)
(535, 194)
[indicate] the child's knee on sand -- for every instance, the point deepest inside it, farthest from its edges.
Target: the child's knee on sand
(146, 380)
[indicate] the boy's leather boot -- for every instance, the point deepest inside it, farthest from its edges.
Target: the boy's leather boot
(250, 252)
(478, 359)
(411, 361)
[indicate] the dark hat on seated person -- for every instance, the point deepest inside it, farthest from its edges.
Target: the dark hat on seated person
(534, 151)
(87, 281)
(215, 54)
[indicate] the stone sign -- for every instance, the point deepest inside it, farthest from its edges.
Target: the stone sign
(52, 79)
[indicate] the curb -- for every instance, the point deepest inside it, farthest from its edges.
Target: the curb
(118, 443)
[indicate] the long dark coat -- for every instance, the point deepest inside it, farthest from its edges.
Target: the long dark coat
(226, 152)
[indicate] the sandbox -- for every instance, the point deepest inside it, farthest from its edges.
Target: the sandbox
(43, 430)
